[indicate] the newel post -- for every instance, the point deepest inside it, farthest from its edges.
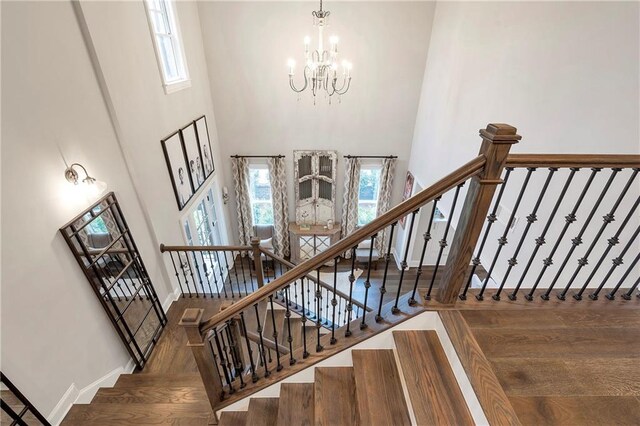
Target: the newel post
(191, 319)
(257, 260)
(496, 143)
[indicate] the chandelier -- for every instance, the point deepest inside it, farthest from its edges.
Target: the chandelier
(321, 71)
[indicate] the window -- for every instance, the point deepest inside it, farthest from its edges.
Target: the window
(167, 43)
(260, 194)
(368, 193)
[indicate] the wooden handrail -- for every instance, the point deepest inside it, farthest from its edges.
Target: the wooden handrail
(450, 181)
(573, 160)
(164, 248)
(325, 285)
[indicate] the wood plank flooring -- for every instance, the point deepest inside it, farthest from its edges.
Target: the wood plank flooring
(379, 390)
(566, 367)
(435, 395)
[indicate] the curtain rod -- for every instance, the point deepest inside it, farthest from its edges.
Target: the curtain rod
(370, 156)
(258, 156)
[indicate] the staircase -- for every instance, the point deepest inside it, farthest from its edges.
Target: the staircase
(370, 392)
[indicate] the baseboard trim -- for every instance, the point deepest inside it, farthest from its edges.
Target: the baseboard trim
(64, 405)
(171, 297)
(86, 394)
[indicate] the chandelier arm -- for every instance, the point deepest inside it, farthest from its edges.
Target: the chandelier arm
(306, 82)
(348, 83)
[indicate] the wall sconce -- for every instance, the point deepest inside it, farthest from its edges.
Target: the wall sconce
(91, 187)
(225, 195)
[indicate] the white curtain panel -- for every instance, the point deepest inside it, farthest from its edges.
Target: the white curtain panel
(349, 220)
(280, 206)
(240, 170)
(384, 199)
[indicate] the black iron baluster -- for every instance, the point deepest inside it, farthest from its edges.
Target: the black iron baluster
(244, 277)
(206, 273)
(540, 241)
(254, 375)
(367, 283)
(213, 274)
(193, 280)
(184, 273)
(246, 256)
(305, 353)
(404, 265)
(275, 333)
(287, 315)
(222, 280)
(502, 241)
(318, 310)
(627, 295)
(175, 270)
(607, 219)
(235, 356)
(569, 219)
(340, 311)
(491, 219)
(352, 279)
(334, 302)
(612, 294)
(427, 237)
(295, 293)
(223, 362)
(308, 298)
(261, 349)
(326, 298)
(443, 242)
(616, 262)
(235, 272)
(531, 219)
(195, 262)
(578, 239)
(383, 287)
(226, 263)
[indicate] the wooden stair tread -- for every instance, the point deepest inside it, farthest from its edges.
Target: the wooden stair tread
(133, 413)
(379, 390)
(159, 379)
(435, 395)
(335, 397)
(233, 418)
(492, 398)
(296, 404)
(577, 410)
(561, 342)
(151, 395)
(262, 412)
(564, 377)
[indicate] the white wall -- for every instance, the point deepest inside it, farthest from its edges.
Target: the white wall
(247, 45)
(54, 330)
(564, 73)
(145, 114)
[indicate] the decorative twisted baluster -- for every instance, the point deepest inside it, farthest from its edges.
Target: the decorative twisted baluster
(318, 310)
(367, 284)
(578, 239)
(608, 218)
(195, 262)
(305, 353)
(254, 375)
(352, 279)
(176, 271)
(531, 219)
(287, 315)
(334, 302)
(383, 288)
(427, 238)
(223, 362)
(275, 334)
(502, 241)
(617, 261)
(404, 265)
(261, 348)
(612, 294)
(443, 242)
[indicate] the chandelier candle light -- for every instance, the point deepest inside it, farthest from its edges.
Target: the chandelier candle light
(321, 66)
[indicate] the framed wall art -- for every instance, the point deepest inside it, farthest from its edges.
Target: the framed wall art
(175, 156)
(192, 153)
(202, 132)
